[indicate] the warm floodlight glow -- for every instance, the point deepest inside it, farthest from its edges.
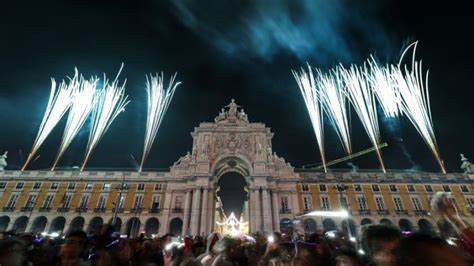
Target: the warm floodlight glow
(111, 101)
(414, 95)
(363, 100)
(158, 101)
(232, 226)
(341, 213)
(82, 104)
(311, 97)
(58, 104)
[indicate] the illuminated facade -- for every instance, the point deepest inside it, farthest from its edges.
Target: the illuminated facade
(183, 200)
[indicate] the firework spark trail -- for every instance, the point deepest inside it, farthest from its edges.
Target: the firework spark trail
(333, 99)
(158, 101)
(363, 100)
(58, 104)
(381, 81)
(414, 95)
(110, 102)
(309, 90)
(82, 104)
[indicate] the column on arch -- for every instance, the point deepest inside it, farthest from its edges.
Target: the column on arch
(204, 211)
(267, 211)
(257, 210)
(276, 211)
(187, 212)
(211, 211)
(195, 213)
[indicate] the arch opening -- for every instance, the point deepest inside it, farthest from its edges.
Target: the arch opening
(4, 221)
(176, 226)
(151, 226)
(76, 224)
(232, 192)
(20, 224)
(39, 224)
(133, 227)
(95, 225)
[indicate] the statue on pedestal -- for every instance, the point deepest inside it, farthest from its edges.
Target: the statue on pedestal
(258, 148)
(3, 161)
(221, 116)
(467, 166)
(232, 108)
(269, 154)
(243, 116)
(185, 158)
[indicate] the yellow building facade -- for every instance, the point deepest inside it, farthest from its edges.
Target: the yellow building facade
(184, 199)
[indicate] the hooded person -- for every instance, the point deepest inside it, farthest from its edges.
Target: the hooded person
(208, 257)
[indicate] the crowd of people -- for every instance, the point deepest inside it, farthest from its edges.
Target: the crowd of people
(378, 244)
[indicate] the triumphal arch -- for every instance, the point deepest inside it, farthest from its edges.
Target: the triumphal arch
(230, 144)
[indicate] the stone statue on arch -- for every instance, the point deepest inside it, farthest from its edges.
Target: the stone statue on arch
(3, 161)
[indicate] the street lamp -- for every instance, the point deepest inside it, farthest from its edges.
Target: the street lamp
(341, 188)
(118, 201)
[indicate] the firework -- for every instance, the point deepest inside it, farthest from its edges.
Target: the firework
(362, 98)
(158, 101)
(111, 101)
(82, 104)
(331, 88)
(382, 83)
(414, 96)
(311, 97)
(58, 104)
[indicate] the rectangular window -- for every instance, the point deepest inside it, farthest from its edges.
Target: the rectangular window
(138, 201)
(88, 187)
(37, 185)
(3, 185)
(344, 202)
(325, 203)
(178, 202)
(101, 202)
(54, 185)
(398, 203)
(464, 188)
(393, 188)
(416, 204)
(411, 188)
(48, 201)
(12, 201)
(357, 188)
(284, 203)
(307, 203)
(428, 188)
(361, 203)
(106, 187)
(71, 186)
(20, 185)
(155, 204)
(158, 187)
(141, 187)
(380, 204)
(84, 201)
(470, 202)
(375, 188)
(66, 201)
(446, 188)
(322, 188)
(305, 187)
(30, 203)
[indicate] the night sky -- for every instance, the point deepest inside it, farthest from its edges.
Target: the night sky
(230, 49)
